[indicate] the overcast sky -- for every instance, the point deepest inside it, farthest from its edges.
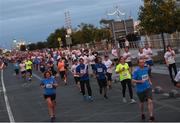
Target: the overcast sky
(34, 20)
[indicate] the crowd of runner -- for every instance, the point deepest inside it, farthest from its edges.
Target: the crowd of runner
(86, 63)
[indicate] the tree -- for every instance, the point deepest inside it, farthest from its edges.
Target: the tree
(41, 45)
(22, 47)
(77, 37)
(159, 17)
(52, 40)
(88, 32)
(31, 46)
(105, 24)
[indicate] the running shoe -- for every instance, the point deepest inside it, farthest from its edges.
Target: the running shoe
(124, 100)
(105, 96)
(53, 119)
(85, 98)
(132, 101)
(29, 79)
(143, 117)
(151, 119)
(90, 98)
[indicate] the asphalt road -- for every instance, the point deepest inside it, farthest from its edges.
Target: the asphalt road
(28, 105)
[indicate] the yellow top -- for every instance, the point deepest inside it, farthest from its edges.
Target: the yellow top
(28, 64)
(123, 74)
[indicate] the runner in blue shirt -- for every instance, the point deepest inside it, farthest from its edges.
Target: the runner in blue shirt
(143, 88)
(100, 71)
(49, 85)
(16, 68)
(82, 71)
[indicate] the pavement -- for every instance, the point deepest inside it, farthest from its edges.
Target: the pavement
(28, 105)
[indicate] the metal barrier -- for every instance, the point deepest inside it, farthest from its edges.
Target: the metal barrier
(155, 44)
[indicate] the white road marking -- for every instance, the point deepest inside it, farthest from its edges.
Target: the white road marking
(11, 117)
(37, 76)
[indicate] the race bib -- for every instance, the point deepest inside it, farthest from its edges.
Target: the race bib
(49, 86)
(82, 71)
(99, 70)
(125, 74)
(145, 77)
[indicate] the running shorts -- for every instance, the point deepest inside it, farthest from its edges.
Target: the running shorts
(52, 96)
(109, 76)
(102, 83)
(143, 96)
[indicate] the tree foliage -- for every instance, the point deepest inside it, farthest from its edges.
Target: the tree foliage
(22, 47)
(85, 33)
(159, 16)
(52, 40)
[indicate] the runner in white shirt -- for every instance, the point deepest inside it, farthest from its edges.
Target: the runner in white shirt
(170, 61)
(127, 57)
(141, 55)
(114, 52)
(126, 43)
(92, 63)
(149, 62)
(76, 76)
(22, 66)
(85, 58)
(109, 65)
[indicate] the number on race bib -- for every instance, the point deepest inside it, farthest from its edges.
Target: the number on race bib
(99, 70)
(49, 86)
(125, 74)
(145, 77)
(82, 72)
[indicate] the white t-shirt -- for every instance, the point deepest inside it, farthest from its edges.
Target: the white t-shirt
(91, 59)
(148, 53)
(141, 56)
(85, 58)
(127, 43)
(114, 52)
(177, 78)
(22, 67)
(108, 65)
(127, 55)
(73, 57)
(169, 57)
(73, 70)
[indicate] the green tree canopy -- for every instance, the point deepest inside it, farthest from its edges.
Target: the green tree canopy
(158, 17)
(52, 40)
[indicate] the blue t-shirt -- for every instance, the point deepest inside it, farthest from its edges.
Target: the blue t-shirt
(82, 68)
(100, 70)
(37, 60)
(16, 66)
(49, 89)
(141, 74)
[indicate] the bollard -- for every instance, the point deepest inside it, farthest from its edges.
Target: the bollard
(158, 90)
(173, 93)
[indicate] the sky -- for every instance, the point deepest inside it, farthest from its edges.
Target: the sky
(34, 20)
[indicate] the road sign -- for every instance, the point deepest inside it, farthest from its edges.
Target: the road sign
(68, 40)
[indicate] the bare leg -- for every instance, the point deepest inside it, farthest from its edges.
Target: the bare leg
(50, 106)
(142, 108)
(150, 107)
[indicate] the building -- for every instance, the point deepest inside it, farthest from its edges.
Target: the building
(121, 28)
